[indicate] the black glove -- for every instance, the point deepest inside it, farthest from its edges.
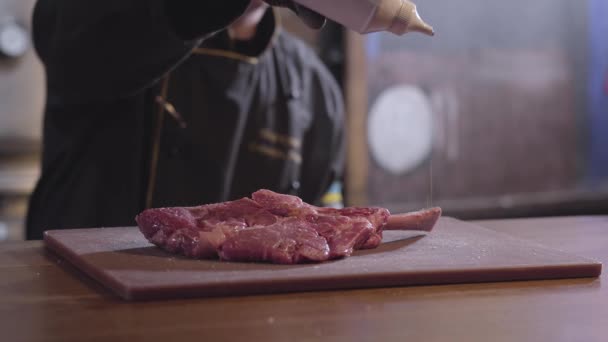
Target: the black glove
(311, 18)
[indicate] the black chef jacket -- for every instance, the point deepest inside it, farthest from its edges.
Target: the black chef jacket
(143, 111)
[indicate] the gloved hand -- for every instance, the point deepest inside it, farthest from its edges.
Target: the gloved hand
(311, 18)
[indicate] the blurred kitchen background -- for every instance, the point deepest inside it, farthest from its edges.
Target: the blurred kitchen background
(504, 113)
(22, 97)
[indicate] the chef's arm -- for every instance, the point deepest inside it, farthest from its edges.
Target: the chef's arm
(102, 50)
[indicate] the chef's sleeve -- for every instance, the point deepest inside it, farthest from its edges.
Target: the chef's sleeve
(104, 50)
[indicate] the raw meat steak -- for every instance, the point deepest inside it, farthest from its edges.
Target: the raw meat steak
(273, 227)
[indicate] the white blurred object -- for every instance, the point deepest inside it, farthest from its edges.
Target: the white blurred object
(401, 129)
(14, 39)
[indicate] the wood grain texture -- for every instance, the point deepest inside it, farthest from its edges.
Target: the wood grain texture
(50, 302)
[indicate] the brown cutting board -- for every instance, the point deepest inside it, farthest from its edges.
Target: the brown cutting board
(455, 252)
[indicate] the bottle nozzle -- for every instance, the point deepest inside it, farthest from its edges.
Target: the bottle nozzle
(408, 20)
(419, 25)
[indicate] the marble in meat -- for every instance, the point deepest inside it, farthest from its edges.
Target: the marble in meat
(267, 227)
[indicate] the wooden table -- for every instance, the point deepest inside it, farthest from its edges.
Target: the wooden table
(43, 299)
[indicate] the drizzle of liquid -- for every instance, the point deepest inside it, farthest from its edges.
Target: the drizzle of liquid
(430, 194)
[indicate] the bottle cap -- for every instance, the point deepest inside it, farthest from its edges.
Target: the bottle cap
(408, 20)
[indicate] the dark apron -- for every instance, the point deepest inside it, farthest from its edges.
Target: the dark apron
(244, 130)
